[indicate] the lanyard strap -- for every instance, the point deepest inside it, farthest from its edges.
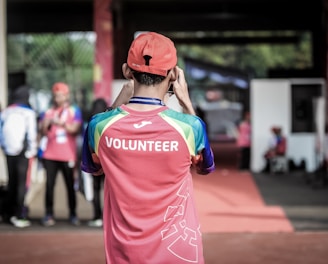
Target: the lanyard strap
(146, 100)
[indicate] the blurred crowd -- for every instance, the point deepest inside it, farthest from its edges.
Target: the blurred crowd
(39, 147)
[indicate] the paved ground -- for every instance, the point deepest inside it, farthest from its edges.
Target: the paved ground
(306, 207)
(85, 247)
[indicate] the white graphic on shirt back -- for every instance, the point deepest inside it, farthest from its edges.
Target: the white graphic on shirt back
(173, 211)
(183, 245)
(142, 124)
(178, 246)
(166, 233)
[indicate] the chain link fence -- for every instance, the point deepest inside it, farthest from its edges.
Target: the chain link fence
(49, 58)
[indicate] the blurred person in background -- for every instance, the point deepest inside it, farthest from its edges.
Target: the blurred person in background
(98, 105)
(277, 147)
(244, 141)
(19, 143)
(61, 125)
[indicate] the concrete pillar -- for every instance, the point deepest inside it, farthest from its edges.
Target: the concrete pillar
(3, 81)
(3, 56)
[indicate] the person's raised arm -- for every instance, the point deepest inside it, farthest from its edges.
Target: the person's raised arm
(124, 95)
(180, 89)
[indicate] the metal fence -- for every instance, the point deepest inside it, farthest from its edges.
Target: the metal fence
(49, 58)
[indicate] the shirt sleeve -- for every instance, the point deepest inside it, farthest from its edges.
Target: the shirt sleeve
(31, 135)
(88, 163)
(77, 114)
(206, 163)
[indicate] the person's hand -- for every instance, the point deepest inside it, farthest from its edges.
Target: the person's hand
(196, 159)
(57, 122)
(125, 94)
(45, 126)
(180, 88)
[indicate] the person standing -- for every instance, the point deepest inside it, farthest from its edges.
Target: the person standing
(145, 150)
(19, 143)
(98, 105)
(61, 125)
(244, 142)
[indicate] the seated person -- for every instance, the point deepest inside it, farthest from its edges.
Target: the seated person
(277, 146)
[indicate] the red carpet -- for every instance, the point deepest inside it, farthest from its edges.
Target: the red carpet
(229, 201)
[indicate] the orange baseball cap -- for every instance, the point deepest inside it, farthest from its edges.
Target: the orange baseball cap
(152, 53)
(60, 87)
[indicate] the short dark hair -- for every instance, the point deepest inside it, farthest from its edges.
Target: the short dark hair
(98, 105)
(147, 78)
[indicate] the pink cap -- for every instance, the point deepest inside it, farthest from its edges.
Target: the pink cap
(60, 87)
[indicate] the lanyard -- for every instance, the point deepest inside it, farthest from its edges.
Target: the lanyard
(146, 100)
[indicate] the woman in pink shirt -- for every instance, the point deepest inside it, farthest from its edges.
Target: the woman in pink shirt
(61, 125)
(244, 142)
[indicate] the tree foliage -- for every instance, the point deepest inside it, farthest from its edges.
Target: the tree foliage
(256, 59)
(68, 57)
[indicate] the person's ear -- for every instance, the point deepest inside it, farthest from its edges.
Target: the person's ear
(174, 74)
(127, 73)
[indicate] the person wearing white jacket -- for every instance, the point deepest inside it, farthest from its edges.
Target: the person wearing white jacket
(19, 144)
